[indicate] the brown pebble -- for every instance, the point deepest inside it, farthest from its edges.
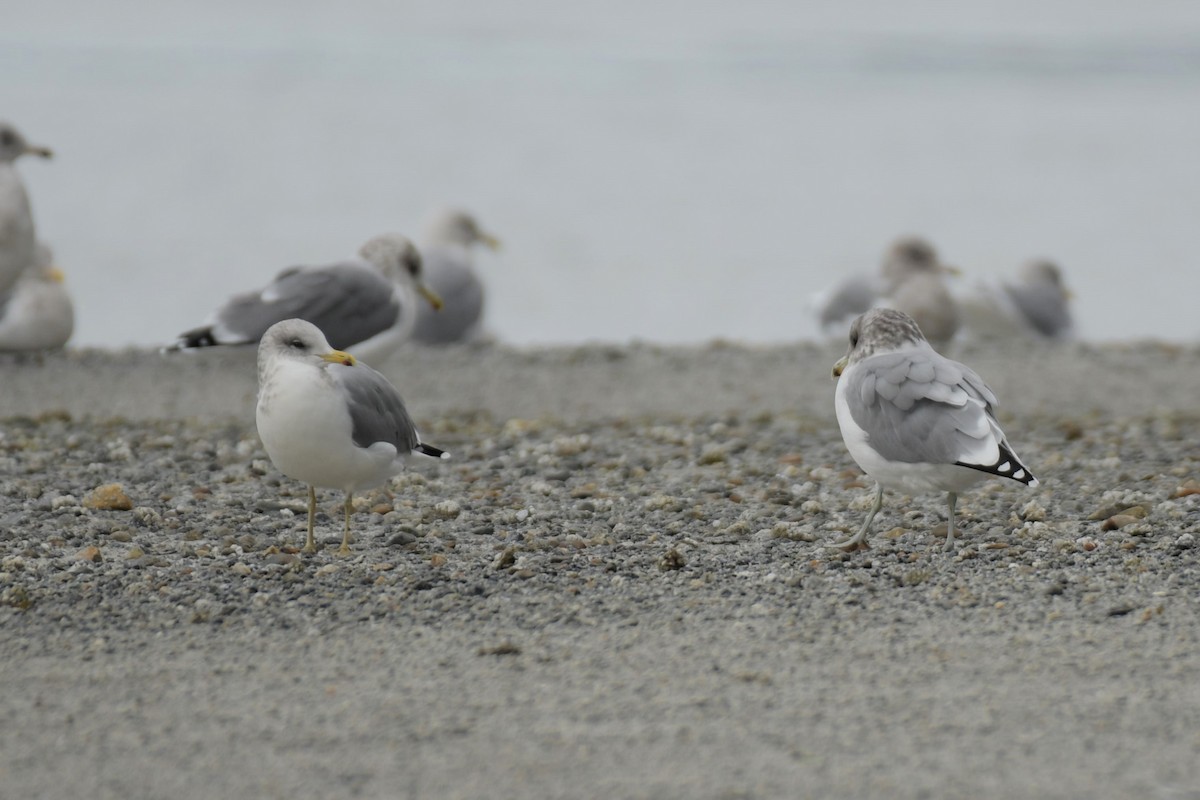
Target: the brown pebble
(1189, 487)
(109, 497)
(1118, 521)
(437, 560)
(90, 553)
(672, 560)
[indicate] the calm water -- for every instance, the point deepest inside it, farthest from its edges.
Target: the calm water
(665, 171)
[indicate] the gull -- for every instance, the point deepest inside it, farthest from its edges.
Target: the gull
(910, 278)
(1035, 306)
(18, 239)
(914, 420)
(329, 420)
(450, 270)
(366, 306)
(36, 313)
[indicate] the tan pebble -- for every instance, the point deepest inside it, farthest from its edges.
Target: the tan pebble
(437, 560)
(1118, 521)
(109, 497)
(896, 533)
(382, 508)
(283, 559)
(328, 569)
(240, 569)
(90, 553)
(1189, 487)
(135, 552)
(383, 567)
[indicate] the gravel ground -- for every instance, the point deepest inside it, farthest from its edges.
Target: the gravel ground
(618, 587)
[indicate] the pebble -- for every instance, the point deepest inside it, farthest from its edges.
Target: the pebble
(108, 497)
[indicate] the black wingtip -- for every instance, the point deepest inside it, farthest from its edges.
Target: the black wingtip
(198, 337)
(1008, 466)
(431, 451)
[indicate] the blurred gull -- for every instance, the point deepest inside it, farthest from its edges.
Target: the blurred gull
(18, 239)
(914, 420)
(916, 287)
(329, 420)
(450, 271)
(1036, 305)
(909, 278)
(36, 313)
(366, 306)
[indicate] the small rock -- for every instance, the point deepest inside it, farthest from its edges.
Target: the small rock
(240, 569)
(437, 560)
(1189, 487)
(90, 553)
(505, 558)
(447, 509)
(109, 497)
(1118, 521)
(1185, 541)
(402, 539)
(671, 560)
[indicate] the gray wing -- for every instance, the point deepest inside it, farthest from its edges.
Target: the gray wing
(350, 303)
(448, 270)
(1043, 307)
(920, 407)
(377, 412)
(851, 297)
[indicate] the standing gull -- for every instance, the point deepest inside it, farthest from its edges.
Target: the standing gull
(1035, 306)
(328, 420)
(450, 270)
(36, 313)
(913, 419)
(366, 306)
(18, 239)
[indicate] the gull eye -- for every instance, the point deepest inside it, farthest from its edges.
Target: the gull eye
(297, 344)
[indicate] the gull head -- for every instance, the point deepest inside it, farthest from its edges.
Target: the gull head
(397, 258)
(912, 255)
(455, 226)
(1043, 272)
(13, 145)
(297, 340)
(880, 330)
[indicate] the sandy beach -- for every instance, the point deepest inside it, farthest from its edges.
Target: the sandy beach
(617, 587)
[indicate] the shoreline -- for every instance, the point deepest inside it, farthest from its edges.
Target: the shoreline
(601, 381)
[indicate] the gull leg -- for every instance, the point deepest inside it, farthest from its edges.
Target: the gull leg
(859, 540)
(344, 550)
(310, 546)
(951, 500)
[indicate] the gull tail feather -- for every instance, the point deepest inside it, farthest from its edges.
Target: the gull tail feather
(430, 450)
(1006, 466)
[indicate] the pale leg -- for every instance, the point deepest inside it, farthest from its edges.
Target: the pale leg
(860, 539)
(310, 546)
(951, 500)
(344, 550)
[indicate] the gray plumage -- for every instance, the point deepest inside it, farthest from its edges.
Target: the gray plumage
(358, 304)
(377, 412)
(449, 267)
(1042, 299)
(350, 302)
(913, 405)
(18, 234)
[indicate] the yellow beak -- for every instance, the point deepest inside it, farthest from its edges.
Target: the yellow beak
(491, 241)
(839, 367)
(431, 296)
(57, 275)
(338, 357)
